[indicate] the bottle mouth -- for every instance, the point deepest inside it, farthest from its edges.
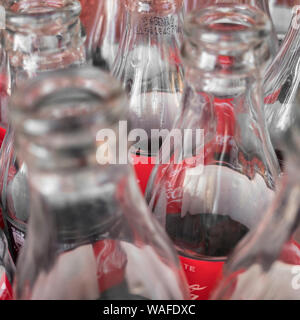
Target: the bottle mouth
(50, 101)
(153, 6)
(47, 15)
(227, 28)
(59, 114)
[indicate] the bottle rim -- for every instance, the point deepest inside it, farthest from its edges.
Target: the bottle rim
(34, 15)
(227, 28)
(101, 95)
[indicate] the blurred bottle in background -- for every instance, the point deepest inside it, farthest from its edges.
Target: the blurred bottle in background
(149, 66)
(104, 23)
(39, 37)
(90, 233)
(215, 181)
(281, 86)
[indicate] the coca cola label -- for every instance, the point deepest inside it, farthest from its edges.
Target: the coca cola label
(6, 292)
(202, 276)
(143, 167)
(111, 264)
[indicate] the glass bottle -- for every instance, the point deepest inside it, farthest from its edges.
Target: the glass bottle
(281, 85)
(217, 170)
(149, 66)
(90, 232)
(7, 270)
(104, 23)
(39, 37)
(191, 5)
(266, 264)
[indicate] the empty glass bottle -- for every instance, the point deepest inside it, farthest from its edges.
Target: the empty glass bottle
(104, 21)
(266, 264)
(40, 36)
(217, 174)
(149, 66)
(7, 270)
(90, 232)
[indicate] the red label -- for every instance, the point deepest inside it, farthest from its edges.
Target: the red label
(111, 263)
(2, 135)
(202, 276)
(272, 98)
(224, 111)
(6, 292)
(291, 252)
(143, 168)
(226, 121)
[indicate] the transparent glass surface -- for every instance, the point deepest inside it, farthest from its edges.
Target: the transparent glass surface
(90, 234)
(149, 66)
(264, 5)
(39, 37)
(266, 264)
(104, 22)
(6, 263)
(281, 86)
(281, 12)
(213, 183)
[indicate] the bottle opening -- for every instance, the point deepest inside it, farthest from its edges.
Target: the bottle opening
(57, 117)
(62, 95)
(228, 27)
(28, 15)
(37, 6)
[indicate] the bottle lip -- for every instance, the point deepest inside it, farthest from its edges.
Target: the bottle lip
(227, 28)
(34, 14)
(67, 100)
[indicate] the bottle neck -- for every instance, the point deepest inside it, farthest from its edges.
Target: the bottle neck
(221, 75)
(81, 206)
(225, 94)
(287, 57)
(36, 42)
(152, 41)
(154, 25)
(149, 66)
